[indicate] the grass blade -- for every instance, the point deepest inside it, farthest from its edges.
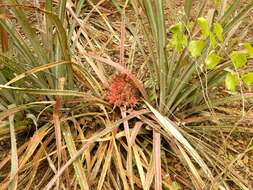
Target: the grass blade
(77, 154)
(157, 159)
(171, 129)
(229, 11)
(52, 92)
(139, 166)
(105, 167)
(14, 157)
(35, 70)
(57, 126)
(119, 166)
(10, 111)
(31, 33)
(187, 7)
(79, 170)
(238, 17)
(3, 34)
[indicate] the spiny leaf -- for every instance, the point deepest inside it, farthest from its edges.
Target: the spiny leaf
(35, 70)
(79, 170)
(249, 49)
(10, 111)
(238, 59)
(187, 7)
(203, 24)
(231, 81)
(139, 165)
(229, 10)
(172, 130)
(212, 60)
(14, 155)
(48, 92)
(196, 47)
(238, 18)
(248, 78)
(218, 30)
(30, 32)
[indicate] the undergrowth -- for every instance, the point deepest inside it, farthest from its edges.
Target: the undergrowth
(114, 96)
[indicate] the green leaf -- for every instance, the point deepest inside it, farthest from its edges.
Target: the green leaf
(212, 60)
(218, 30)
(231, 81)
(179, 40)
(177, 28)
(176, 185)
(196, 47)
(249, 49)
(212, 40)
(248, 78)
(185, 41)
(238, 59)
(203, 24)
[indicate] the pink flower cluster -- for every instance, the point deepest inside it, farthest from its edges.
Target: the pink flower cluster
(122, 91)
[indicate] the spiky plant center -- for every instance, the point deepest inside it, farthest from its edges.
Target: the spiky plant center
(122, 91)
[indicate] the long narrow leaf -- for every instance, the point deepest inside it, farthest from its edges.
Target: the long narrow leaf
(79, 170)
(14, 156)
(172, 130)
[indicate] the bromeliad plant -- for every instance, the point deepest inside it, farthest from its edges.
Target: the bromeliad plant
(92, 132)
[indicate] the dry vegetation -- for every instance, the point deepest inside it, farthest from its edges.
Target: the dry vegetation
(93, 96)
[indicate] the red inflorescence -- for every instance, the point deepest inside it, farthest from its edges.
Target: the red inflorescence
(122, 91)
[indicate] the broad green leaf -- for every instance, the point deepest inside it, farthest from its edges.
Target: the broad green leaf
(212, 40)
(203, 24)
(248, 78)
(249, 49)
(185, 41)
(176, 185)
(177, 28)
(196, 47)
(179, 40)
(212, 60)
(231, 81)
(238, 59)
(218, 30)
